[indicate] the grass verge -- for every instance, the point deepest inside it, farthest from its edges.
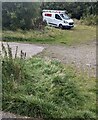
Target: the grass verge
(43, 88)
(79, 34)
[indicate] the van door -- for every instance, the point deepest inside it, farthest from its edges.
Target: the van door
(57, 20)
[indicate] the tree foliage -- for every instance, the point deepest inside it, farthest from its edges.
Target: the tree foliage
(26, 15)
(76, 9)
(20, 15)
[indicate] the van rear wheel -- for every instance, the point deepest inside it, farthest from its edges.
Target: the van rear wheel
(61, 26)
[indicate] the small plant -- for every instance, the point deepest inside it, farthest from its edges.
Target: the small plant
(4, 50)
(12, 66)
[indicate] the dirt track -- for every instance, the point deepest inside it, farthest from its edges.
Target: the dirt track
(82, 56)
(30, 49)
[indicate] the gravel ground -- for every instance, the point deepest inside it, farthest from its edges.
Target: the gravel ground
(84, 54)
(81, 56)
(30, 49)
(8, 115)
(11, 115)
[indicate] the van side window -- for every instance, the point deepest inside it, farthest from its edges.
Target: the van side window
(57, 17)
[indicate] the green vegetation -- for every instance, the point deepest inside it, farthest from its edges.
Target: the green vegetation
(90, 20)
(39, 87)
(45, 88)
(79, 34)
(23, 15)
(26, 15)
(75, 9)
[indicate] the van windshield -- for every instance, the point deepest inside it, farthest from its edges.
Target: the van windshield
(64, 16)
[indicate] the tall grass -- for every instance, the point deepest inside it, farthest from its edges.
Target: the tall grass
(79, 34)
(43, 88)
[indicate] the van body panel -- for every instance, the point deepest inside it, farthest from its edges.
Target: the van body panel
(57, 18)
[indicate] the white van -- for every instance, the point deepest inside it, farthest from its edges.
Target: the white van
(57, 18)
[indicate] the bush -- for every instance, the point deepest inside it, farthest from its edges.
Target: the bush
(21, 15)
(90, 20)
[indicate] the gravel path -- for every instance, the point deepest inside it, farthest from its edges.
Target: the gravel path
(82, 56)
(30, 49)
(9, 115)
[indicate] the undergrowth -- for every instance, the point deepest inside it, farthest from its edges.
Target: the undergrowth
(90, 20)
(44, 88)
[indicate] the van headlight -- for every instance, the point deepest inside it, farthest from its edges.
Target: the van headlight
(65, 22)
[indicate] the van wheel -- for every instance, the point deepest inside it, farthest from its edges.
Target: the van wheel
(61, 26)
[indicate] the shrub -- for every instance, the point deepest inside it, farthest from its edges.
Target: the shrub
(21, 15)
(90, 19)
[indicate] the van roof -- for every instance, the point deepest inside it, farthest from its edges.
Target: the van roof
(55, 11)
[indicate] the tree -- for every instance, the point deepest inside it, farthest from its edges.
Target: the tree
(19, 15)
(76, 9)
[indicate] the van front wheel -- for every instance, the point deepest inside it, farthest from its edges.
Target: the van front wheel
(60, 26)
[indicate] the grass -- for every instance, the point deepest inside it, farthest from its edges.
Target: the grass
(77, 35)
(46, 88)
